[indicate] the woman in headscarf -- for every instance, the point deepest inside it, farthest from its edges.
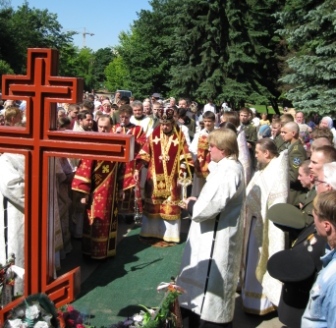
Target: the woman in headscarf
(327, 122)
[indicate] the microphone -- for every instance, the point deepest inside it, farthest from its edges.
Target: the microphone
(119, 128)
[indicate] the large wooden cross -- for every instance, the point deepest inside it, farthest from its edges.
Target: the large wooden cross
(40, 143)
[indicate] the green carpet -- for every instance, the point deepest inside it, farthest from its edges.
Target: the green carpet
(117, 287)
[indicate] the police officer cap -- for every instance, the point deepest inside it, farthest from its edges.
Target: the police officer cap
(287, 215)
(291, 265)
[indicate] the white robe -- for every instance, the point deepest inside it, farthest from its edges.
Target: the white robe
(244, 156)
(222, 194)
(12, 197)
(269, 186)
(146, 123)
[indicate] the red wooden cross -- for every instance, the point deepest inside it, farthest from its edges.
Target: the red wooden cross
(40, 142)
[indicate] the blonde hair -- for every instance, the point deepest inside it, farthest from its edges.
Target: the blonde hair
(226, 140)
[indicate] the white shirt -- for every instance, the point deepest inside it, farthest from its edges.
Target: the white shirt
(210, 108)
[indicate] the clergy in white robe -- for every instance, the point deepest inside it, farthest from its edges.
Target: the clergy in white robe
(244, 156)
(269, 186)
(12, 197)
(211, 259)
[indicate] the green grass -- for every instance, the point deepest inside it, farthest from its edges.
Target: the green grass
(262, 108)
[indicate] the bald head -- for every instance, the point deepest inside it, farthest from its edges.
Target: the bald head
(290, 132)
(292, 126)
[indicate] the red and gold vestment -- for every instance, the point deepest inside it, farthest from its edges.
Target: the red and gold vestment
(99, 180)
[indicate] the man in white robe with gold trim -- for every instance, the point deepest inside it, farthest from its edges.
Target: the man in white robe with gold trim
(269, 186)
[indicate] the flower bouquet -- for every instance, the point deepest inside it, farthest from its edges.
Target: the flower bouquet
(166, 315)
(36, 311)
(7, 281)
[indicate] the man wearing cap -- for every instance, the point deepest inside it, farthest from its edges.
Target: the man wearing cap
(168, 160)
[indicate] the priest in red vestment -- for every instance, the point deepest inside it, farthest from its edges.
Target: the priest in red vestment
(97, 181)
(129, 204)
(168, 159)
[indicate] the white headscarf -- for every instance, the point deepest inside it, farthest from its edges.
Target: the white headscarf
(329, 121)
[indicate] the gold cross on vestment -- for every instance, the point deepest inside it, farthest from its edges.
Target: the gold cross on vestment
(106, 168)
(164, 158)
(175, 142)
(99, 198)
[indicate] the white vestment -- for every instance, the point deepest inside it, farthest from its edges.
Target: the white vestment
(12, 197)
(223, 194)
(146, 123)
(244, 156)
(269, 186)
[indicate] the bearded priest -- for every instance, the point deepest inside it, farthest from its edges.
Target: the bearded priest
(169, 162)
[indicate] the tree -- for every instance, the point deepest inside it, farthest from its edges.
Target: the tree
(68, 60)
(223, 51)
(147, 49)
(28, 28)
(84, 67)
(117, 75)
(102, 58)
(310, 30)
(4, 69)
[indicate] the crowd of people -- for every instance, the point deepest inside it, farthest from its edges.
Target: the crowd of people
(259, 192)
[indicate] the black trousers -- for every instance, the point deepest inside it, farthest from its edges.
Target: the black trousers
(193, 320)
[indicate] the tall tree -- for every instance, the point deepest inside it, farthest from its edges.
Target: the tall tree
(310, 29)
(222, 52)
(84, 65)
(102, 58)
(146, 50)
(117, 75)
(28, 28)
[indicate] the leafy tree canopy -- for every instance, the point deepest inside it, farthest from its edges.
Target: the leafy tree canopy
(310, 30)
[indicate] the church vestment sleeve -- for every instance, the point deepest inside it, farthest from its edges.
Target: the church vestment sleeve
(215, 194)
(193, 146)
(82, 180)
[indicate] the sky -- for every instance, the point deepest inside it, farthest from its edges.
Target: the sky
(104, 18)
